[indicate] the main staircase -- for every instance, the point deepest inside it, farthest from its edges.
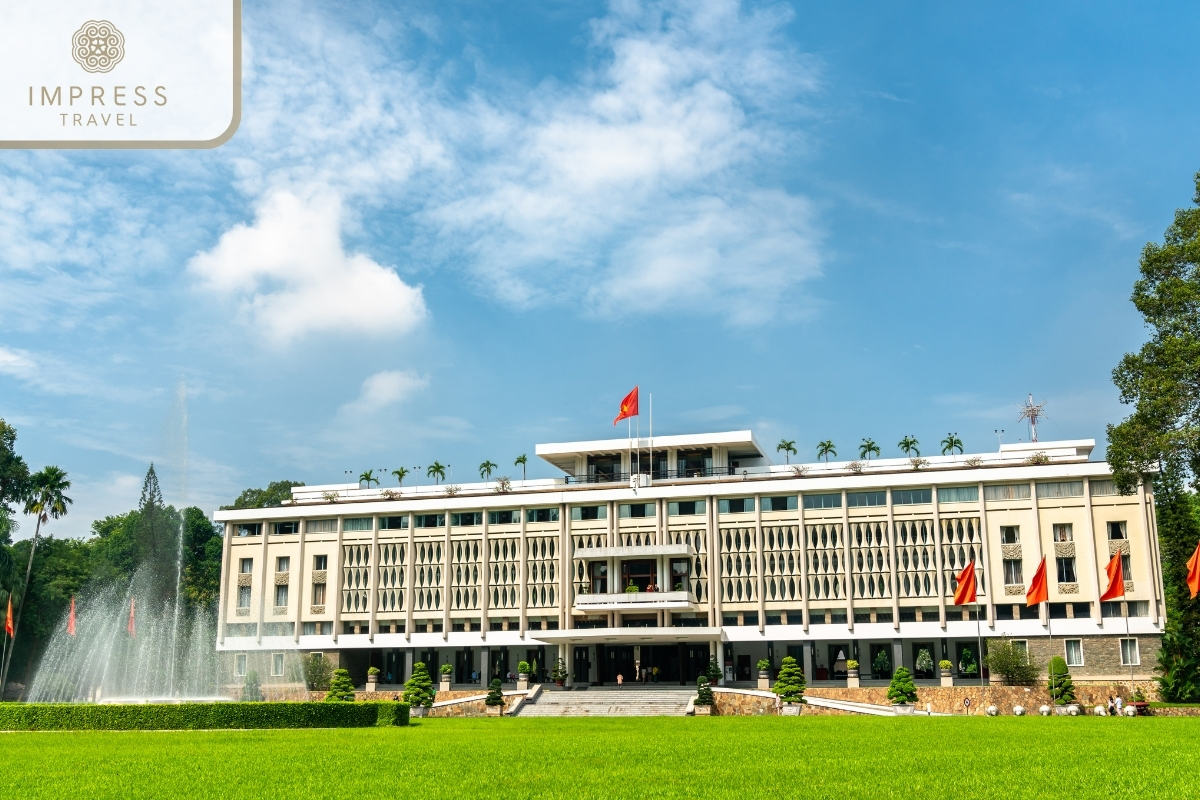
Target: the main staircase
(606, 701)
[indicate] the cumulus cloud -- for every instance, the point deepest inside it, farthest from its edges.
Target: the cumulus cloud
(384, 389)
(294, 277)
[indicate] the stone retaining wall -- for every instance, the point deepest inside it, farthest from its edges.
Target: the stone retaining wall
(735, 704)
(950, 699)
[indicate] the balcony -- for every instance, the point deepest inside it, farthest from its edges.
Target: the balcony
(634, 551)
(635, 601)
(657, 475)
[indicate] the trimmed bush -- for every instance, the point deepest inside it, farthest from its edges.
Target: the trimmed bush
(372, 672)
(704, 695)
(495, 695)
(523, 667)
(252, 692)
(946, 665)
(197, 716)
(1062, 688)
(764, 665)
(341, 688)
(418, 691)
(790, 684)
(713, 673)
(902, 689)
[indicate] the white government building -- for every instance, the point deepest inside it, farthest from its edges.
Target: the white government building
(654, 555)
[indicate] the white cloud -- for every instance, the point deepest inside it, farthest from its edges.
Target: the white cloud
(293, 276)
(385, 389)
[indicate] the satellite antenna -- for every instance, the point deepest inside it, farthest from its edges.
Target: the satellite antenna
(1032, 412)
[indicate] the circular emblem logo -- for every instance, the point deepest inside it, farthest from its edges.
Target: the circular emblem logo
(98, 46)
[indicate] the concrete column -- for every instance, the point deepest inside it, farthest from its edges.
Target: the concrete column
(803, 563)
(806, 659)
(566, 562)
(1156, 559)
(849, 565)
(449, 567)
(1147, 539)
(983, 538)
(940, 583)
(760, 546)
(373, 578)
(891, 526)
(222, 600)
(898, 653)
(1039, 551)
(336, 597)
(1089, 567)
(611, 541)
(721, 661)
(485, 584)
(409, 557)
(714, 581)
(300, 584)
(569, 660)
(523, 565)
(262, 582)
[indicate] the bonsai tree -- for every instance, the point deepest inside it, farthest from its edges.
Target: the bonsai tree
(945, 665)
(713, 672)
(882, 665)
(341, 688)
(1062, 688)
(764, 665)
(902, 689)
(1011, 663)
(704, 695)
(523, 668)
(790, 684)
(559, 673)
(418, 690)
(251, 691)
(495, 695)
(317, 672)
(924, 661)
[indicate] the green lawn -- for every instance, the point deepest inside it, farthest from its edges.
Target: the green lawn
(745, 757)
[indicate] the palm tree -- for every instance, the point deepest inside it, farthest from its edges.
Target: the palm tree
(826, 449)
(951, 443)
(400, 474)
(788, 447)
(437, 471)
(45, 501)
(368, 478)
(485, 469)
(909, 445)
(867, 449)
(520, 462)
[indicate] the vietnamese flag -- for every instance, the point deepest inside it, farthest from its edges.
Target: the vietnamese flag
(71, 618)
(1037, 589)
(130, 627)
(8, 625)
(964, 593)
(1116, 579)
(629, 406)
(1193, 579)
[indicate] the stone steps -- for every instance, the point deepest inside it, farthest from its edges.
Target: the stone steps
(610, 703)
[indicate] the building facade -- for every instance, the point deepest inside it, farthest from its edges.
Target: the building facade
(648, 556)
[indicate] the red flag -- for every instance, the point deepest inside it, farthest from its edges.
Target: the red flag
(629, 406)
(71, 618)
(1037, 590)
(132, 630)
(8, 626)
(1116, 579)
(964, 593)
(1193, 565)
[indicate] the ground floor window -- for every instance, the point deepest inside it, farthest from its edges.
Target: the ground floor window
(276, 664)
(1022, 647)
(243, 598)
(1074, 652)
(239, 665)
(1130, 657)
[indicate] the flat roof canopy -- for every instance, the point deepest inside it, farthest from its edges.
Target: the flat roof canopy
(563, 454)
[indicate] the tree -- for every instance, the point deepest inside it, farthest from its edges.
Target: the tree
(902, 690)
(14, 475)
(156, 538)
(1177, 510)
(202, 558)
(251, 690)
(826, 449)
(520, 462)
(437, 471)
(401, 473)
(368, 478)
(341, 688)
(495, 695)
(704, 693)
(1062, 689)
(1011, 663)
(882, 665)
(790, 684)
(867, 449)
(317, 672)
(486, 469)
(45, 501)
(276, 493)
(908, 445)
(418, 690)
(951, 443)
(788, 448)
(713, 671)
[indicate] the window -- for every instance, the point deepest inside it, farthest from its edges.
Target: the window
(1004, 611)
(736, 505)
(598, 572)
(1066, 570)
(823, 500)
(249, 529)
(239, 665)
(1102, 488)
(1012, 572)
(1029, 612)
(466, 519)
(320, 562)
(282, 563)
(680, 569)
(1110, 609)
(1058, 611)
(429, 520)
(1082, 610)
(685, 508)
(243, 600)
(308, 628)
(318, 596)
(908, 615)
(1125, 568)
(860, 499)
(1009, 491)
(246, 566)
(393, 523)
(911, 497)
(504, 517)
(276, 664)
(321, 526)
(862, 616)
(545, 514)
(750, 618)
(358, 524)
(1010, 534)
(1116, 530)
(1022, 647)
(284, 528)
(636, 510)
(1074, 652)
(883, 616)
(837, 617)
(1130, 657)
(1139, 608)
(785, 502)
(281, 595)
(959, 494)
(587, 512)
(1060, 489)
(1063, 533)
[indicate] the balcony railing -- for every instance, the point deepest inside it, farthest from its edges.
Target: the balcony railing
(625, 601)
(658, 475)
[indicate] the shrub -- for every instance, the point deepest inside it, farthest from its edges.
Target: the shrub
(446, 669)
(317, 672)
(902, 689)
(967, 662)
(372, 671)
(523, 668)
(790, 684)
(946, 665)
(764, 665)
(924, 662)
(882, 664)
(1011, 663)
(713, 672)
(559, 673)
(851, 664)
(198, 716)
(1062, 688)
(495, 695)
(418, 690)
(704, 695)
(251, 691)
(390, 712)
(341, 688)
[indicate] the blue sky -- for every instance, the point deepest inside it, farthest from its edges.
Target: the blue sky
(450, 231)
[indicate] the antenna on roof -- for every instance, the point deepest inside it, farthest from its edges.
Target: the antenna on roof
(1032, 412)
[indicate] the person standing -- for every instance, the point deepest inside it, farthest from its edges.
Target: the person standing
(1120, 705)
(620, 680)
(1111, 706)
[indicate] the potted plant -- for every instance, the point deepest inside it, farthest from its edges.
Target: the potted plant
(703, 705)
(495, 699)
(372, 678)
(713, 672)
(764, 674)
(445, 682)
(341, 688)
(418, 690)
(558, 673)
(790, 686)
(947, 676)
(1062, 688)
(523, 676)
(902, 692)
(851, 673)
(632, 588)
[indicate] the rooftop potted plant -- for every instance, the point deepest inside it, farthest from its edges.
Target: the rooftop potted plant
(703, 705)
(559, 673)
(790, 686)
(495, 699)
(852, 673)
(444, 686)
(372, 678)
(947, 676)
(764, 674)
(902, 692)
(418, 690)
(523, 676)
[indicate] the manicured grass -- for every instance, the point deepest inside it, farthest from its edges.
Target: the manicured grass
(742, 757)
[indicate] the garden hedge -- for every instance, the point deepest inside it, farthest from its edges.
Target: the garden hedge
(198, 716)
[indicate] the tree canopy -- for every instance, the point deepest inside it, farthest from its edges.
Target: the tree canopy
(274, 495)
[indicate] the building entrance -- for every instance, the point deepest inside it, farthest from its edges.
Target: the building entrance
(582, 671)
(616, 660)
(464, 665)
